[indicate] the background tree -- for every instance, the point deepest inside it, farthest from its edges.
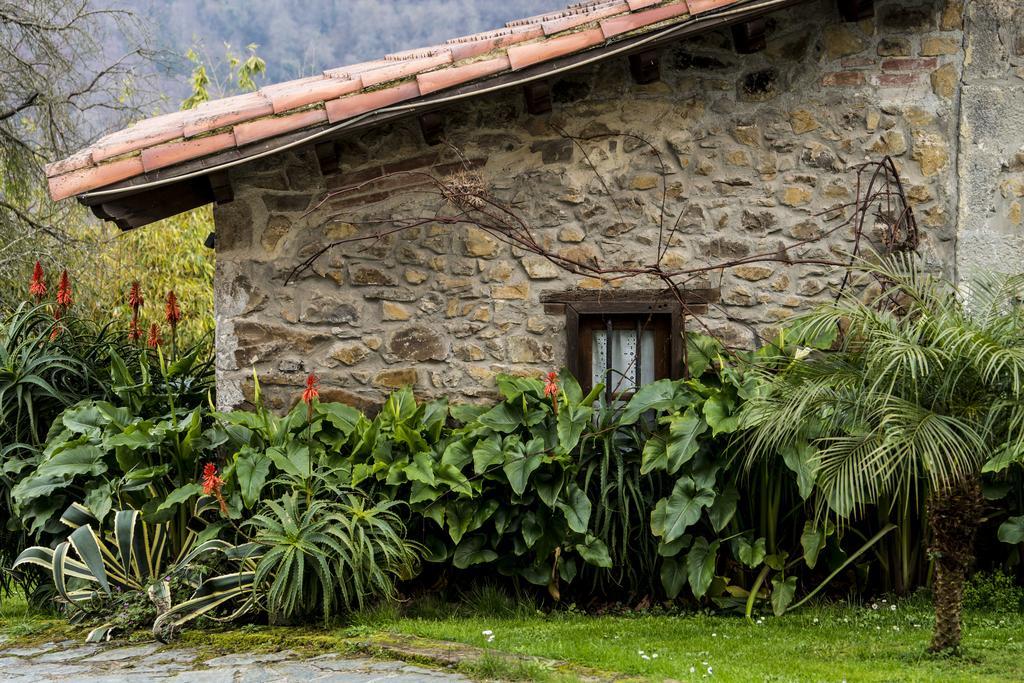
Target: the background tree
(922, 392)
(58, 87)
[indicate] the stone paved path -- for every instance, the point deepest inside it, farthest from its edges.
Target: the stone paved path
(73, 662)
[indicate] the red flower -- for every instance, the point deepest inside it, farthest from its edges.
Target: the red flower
(37, 287)
(551, 389)
(154, 339)
(64, 291)
(551, 384)
(134, 333)
(212, 485)
(311, 391)
(172, 312)
(135, 296)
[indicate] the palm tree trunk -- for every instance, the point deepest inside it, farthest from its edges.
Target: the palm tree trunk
(953, 515)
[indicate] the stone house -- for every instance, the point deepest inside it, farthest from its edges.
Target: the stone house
(745, 119)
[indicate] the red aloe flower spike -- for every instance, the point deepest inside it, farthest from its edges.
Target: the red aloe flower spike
(551, 389)
(172, 311)
(64, 298)
(311, 392)
(212, 485)
(154, 339)
(135, 296)
(37, 287)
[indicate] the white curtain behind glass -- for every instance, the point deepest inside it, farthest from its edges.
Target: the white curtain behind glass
(623, 356)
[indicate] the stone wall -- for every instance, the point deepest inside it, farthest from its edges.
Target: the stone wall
(991, 159)
(754, 146)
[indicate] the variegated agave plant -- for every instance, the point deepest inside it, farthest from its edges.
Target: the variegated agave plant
(92, 566)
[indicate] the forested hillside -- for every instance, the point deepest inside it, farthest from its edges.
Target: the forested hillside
(300, 38)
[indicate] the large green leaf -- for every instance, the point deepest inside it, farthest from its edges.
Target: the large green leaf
(718, 411)
(1012, 530)
(813, 540)
(672, 516)
(673, 576)
(457, 454)
(421, 469)
(723, 509)
(487, 453)
(594, 551)
(504, 418)
(576, 508)
(654, 396)
(801, 459)
(683, 443)
(783, 592)
(179, 496)
(751, 554)
(251, 470)
(522, 461)
(471, 551)
(448, 474)
(571, 423)
(700, 565)
(458, 517)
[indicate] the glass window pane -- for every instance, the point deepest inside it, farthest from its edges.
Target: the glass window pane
(623, 359)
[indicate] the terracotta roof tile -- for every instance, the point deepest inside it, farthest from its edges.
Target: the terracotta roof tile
(142, 134)
(83, 180)
(702, 6)
(474, 46)
(354, 105)
(261, 129)
(219, 113)
(522, 56)
(432, 81)
(630, 22)
(593, 14)
(396, 69)
(171, 153)
(346, 92)
(294, 94)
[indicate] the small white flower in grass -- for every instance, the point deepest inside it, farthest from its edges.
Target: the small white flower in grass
(874, 605)
(802, 352)
(895, 628)
(490, 639)
(640, 652)
(892, 607)
(815, 620)
(647, 657)
(488, 632)
(710, 671)
(693, 669)
(714, 635)
(654, 655)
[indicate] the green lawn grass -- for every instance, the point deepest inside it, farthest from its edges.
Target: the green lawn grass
(19, 623)
(874, 642)
(815, 644)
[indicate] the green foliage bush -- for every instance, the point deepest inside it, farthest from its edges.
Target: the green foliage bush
(650, 497)
(993, 592)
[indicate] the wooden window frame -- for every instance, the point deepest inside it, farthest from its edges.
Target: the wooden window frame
(582, 307)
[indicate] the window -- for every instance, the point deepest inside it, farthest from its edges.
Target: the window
(610, 353)
(623, 339)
